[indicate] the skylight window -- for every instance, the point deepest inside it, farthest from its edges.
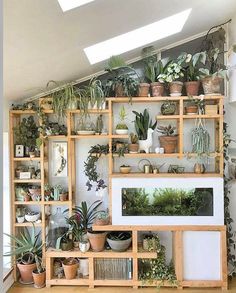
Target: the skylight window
(137, 38)
(71, 4)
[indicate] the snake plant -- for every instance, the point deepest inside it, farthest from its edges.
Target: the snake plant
(142, 122)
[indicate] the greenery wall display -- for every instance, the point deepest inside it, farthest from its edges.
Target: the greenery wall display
(167, 202)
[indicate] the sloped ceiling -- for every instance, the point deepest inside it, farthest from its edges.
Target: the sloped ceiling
(42, 43)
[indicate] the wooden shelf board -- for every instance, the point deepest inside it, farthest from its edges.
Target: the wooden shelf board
(27, 224)
(91, 111)
(56, 202)
(22, 112)
(202, 283)
(106, 282)
(154, 284)
(119, 136)
(201, 116)
(150, 155)
(89, 136)
(63, 281)
(27, 180)
(28, 202)
(167, 117)
(27, 159)
(57, 137)
(151, 175)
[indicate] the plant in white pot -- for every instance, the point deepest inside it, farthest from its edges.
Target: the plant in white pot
(119, 240)
(20, 214)
(121, 127)
(144, 128)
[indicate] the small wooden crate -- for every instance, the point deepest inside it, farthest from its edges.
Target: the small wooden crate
(211, 109)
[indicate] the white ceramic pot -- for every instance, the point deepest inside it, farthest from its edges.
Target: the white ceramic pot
(20, 219)
(84, 266)
(32, 218)
(84, 246)
(144, 145)
(122, 131)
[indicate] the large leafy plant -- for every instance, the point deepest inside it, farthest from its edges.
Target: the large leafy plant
(94, 93)
(142, 122)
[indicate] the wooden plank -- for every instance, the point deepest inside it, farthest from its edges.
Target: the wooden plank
(224, 268)
(91, 273)
(202, 283)
(49, 273)
(170, 175)
(178, 256)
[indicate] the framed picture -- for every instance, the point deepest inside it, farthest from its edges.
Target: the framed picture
(59, 159)
(19, 151)
(25, 175)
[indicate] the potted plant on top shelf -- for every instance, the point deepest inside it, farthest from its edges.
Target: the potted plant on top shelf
(194, 106)
(169, 139)
(94, 93)
(122, 128)
(25, 247)
(192, 72)
(144, 128)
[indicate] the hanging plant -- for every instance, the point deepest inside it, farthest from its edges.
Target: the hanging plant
(200, 139)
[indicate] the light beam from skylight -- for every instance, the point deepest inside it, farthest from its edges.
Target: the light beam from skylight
(71, 4)
(137, 38)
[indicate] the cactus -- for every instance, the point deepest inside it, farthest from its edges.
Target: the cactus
(133, 138)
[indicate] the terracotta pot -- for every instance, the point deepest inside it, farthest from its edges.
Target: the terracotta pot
(192, 87)
(133, 148)
(65, 246)
(26, 276)
(27, 197)
(191, 110)
(63, 196)
(157, 89)
(176, 88)
(70, 268)
(211, 85)
(39, 279)
(169, 143)
(125, 170)
(97, 240)
(35, 191)
(119, 90)
(102, 222)
(143, 89)
(199, 168)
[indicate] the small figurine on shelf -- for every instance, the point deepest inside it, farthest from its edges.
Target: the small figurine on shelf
(56, 192)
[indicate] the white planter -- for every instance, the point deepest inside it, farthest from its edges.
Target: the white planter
(84, 246)
(32, 218)
(84, 266)
(144, 145)
(95, 106)
(122, 131)
(20, 219)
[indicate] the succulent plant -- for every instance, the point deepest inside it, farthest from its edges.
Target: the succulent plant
(133, 138)
(166, 130)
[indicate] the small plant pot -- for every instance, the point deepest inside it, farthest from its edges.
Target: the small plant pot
(199, 168)
(122, 131)
(169, 143)
(157, 89)
(39, 279)
(76, 245)
(97, 240)
(66, 246)
(102, 222)
(63, 196)
(27, 197)
(26, 271)
(84, 246)
(143, 89)
(70, 268)
(192, 87)
(147, 243)
(191, 110)
(133, 148)
(117, 244)
(119, 90)
(125, 170)
(20, 219)
(32, 218)
(35, 191)
(176, 88)
(119, 145)
(32, 154)
(168, 108)
(211, 85)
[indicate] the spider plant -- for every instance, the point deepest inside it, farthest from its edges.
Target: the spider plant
(94, 92)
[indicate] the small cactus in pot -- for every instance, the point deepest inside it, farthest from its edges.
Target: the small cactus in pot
(133, 146)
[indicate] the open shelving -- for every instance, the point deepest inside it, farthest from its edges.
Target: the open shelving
(134, 253)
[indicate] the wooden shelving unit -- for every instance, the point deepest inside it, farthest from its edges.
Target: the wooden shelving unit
(71, 138)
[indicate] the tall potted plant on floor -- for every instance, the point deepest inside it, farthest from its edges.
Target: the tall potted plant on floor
(39, 275)
(25, 248)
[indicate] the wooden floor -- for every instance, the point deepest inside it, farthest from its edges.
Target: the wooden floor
(17, 288)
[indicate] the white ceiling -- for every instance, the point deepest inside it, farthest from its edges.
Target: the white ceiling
(42, 43)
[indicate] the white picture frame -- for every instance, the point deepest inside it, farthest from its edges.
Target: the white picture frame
(25, 175)
(59, 159)
(19, 151)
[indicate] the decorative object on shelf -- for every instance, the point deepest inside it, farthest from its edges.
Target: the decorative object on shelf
(168, 108)
(76, 229)
(122, 128)
(27, 197)
(176, 169)
(99, 124)
(63, 196)
(151, 242)
(32, 216)
(169, 139)
(143, 89)
(84, 245)
(35, 192)
(57, 189)
(191, 66)
(97, 239)
(195, 106)
(24, 107)
(70, 266)
(145, 166)
(144, 128)
(199, 168)
(85, 127)
(59, 160)
(54, 128)
(46, 103)
(119, 241)
(32, 154)
(20, 214)
(48, 190)
(211, 109)
(133, 147)
(102, 219)
(200, 139)
(90, 171)
(39, 275)
(19, 151)
(25, 247)
(84, 266)
(64, 242)
(120, 148)
(24, 175)
(125, 169)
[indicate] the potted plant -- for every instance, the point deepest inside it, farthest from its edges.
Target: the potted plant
(119, 241)
(151, 242)
(102, 218)
(46, 103)
(125, 169)
(39, 275)
(76, 229)
(35, 192)
(27, 197)
(214, 73)
(65, 241)
(169, 139)
(194, 106)
(192, 71)
(63, 196)
(20, 214)
(70, 266)
(122, 128)
(31, 216)
(168, 108)
(133, 146)
(174, 72)
(25, 247)
(95, 94)
(144, 129)
(97, 239)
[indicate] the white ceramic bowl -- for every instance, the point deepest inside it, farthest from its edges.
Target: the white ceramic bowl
(122, 131)
(32, 218)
